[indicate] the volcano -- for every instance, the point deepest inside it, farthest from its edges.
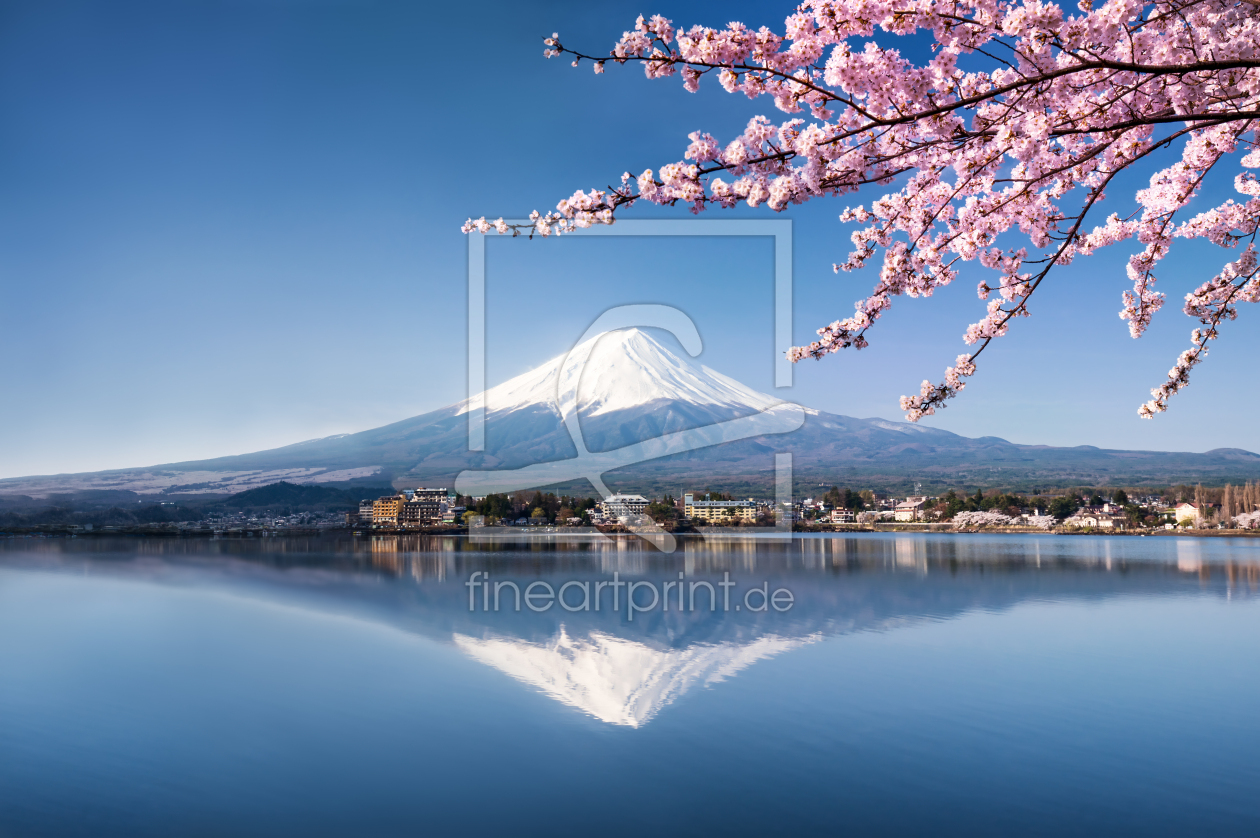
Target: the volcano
(633, 390)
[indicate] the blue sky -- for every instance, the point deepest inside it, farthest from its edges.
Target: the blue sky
(227, 226)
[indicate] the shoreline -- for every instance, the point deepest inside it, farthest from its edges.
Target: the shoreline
(551, 532)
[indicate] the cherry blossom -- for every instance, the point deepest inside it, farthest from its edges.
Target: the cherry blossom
(982, 519)
(997, 150)
(1211, 303)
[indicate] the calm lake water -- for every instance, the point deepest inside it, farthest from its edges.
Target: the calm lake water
(916, 685)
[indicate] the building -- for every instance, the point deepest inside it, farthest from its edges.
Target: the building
(719, 510)
(843, 516)
(435, 495)
(910, 509)
(1097, 517)
(1187, 513)
(365, 512)
(619, 505)
(386, 510)
(419, 513)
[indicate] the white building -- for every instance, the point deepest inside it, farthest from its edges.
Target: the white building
(432, 495)
(1097, 517)
(910, 509)
(619, 505)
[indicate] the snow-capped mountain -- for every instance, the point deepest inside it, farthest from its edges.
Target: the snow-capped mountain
(628, 392)
(622, 370)
(623, 399)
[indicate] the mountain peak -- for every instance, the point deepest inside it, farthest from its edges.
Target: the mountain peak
(626, 368)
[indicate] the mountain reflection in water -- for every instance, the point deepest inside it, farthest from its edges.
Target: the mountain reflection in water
(624, 673)
(969, 685)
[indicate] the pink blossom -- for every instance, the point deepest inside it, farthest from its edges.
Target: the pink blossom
(982, 519)
(1001, 161)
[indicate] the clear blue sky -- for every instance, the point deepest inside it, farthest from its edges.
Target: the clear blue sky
(227, 226)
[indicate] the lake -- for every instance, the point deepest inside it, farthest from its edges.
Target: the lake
(856, 684)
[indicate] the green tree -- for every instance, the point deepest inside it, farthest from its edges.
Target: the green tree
(953, 505)
(1120, 498)
(852, 500)
(662, 510)
(1063, 507)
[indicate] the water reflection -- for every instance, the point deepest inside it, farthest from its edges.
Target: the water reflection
(615, 679)
(624, 672)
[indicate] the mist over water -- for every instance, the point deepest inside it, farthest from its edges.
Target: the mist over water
(918, 684)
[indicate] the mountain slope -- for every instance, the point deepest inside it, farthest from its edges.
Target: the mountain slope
(633, 389)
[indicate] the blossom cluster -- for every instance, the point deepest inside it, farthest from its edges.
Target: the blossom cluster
(1026, 147)
(932, 395)
(1211, 303)
(982, 519)
(1248, 521)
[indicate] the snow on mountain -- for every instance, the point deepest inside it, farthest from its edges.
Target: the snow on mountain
(661, 422)
(616, 680)
(623, 370)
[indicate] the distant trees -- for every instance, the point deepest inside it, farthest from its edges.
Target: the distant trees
(848, 499)
(951, 505)
(664, 510)
(1233, 501)
(1237, 501)
(547, 507)
(1063, 507)
(164, 514)
(292, 497)
(493, 507)
(114, 516)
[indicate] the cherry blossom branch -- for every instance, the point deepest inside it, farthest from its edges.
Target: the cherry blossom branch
(986, 154)
(1211, 302)
(933, 396)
